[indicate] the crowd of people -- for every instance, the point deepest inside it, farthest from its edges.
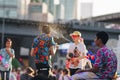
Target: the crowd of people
(44, 46)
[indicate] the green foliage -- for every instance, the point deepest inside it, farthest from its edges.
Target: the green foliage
(15, 63)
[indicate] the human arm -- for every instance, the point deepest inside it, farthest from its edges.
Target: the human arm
(32, 52)
(98, 64)
(34, 47)
(94, 70)
(53, 47)
(11, 54)
(52, 50)
(83, 51)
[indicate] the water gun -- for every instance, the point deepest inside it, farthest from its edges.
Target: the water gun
(92, 57)
(75, 60)
(4, 62)
(1, 58)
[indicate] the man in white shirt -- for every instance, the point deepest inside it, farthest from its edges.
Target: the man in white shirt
(76, 53)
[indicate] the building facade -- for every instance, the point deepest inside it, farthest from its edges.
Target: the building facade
(16, 9)
(38, 11)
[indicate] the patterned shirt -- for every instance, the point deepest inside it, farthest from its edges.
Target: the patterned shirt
(41, 45)
(7, 60)
(106, 60)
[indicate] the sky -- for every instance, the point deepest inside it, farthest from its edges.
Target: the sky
(102, 7)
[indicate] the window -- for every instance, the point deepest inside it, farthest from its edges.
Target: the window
(1, 2)
(36, 1)
(10, 2)
(51, 6)
(46, 1)
(8, 13)
(13, 14)
(1, 12)
(36, 8)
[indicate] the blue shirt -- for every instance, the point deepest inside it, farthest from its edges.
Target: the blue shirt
(6, 58)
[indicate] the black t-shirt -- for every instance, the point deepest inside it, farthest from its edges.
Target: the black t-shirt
(26, 77)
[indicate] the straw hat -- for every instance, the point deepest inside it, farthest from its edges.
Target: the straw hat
(75, 33)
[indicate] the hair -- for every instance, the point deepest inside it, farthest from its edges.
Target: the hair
(8, 40)
(66, 71)
(59, 70)
(46, 29)
(103, 36)
(29, 70)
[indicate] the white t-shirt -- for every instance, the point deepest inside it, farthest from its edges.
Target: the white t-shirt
(81, 48)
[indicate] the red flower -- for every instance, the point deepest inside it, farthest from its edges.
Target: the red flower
(41, 58)
(41, 43)
(35, 50)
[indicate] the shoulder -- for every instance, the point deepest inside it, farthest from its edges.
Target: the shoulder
(82, 44)
(12, 50)
(51, 38)
(36, 39)
(99, 52)
(3, 49)
(72, 45)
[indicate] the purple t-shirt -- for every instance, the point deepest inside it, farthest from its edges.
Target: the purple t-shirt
(106, 60)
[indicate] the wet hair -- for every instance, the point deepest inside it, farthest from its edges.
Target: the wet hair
(46, 29)
(103, 36)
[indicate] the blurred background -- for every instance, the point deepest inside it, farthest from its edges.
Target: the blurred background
(21, 20)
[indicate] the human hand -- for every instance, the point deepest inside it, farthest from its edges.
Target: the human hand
(81, 40)
(7, 50)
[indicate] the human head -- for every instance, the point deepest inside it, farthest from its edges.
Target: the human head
(76, 36)
(66, 72)
(46, 29)
(101, 38)
(29, 70)
(60, 70)
(8, 43)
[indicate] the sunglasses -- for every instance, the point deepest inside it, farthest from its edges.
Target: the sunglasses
(75, 36)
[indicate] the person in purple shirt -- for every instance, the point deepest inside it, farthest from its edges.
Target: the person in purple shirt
(105, 64)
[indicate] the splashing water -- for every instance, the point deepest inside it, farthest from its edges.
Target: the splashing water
(58, 33)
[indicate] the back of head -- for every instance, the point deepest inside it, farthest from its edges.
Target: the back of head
(29, 70)
(46, 29)
(103, 36)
